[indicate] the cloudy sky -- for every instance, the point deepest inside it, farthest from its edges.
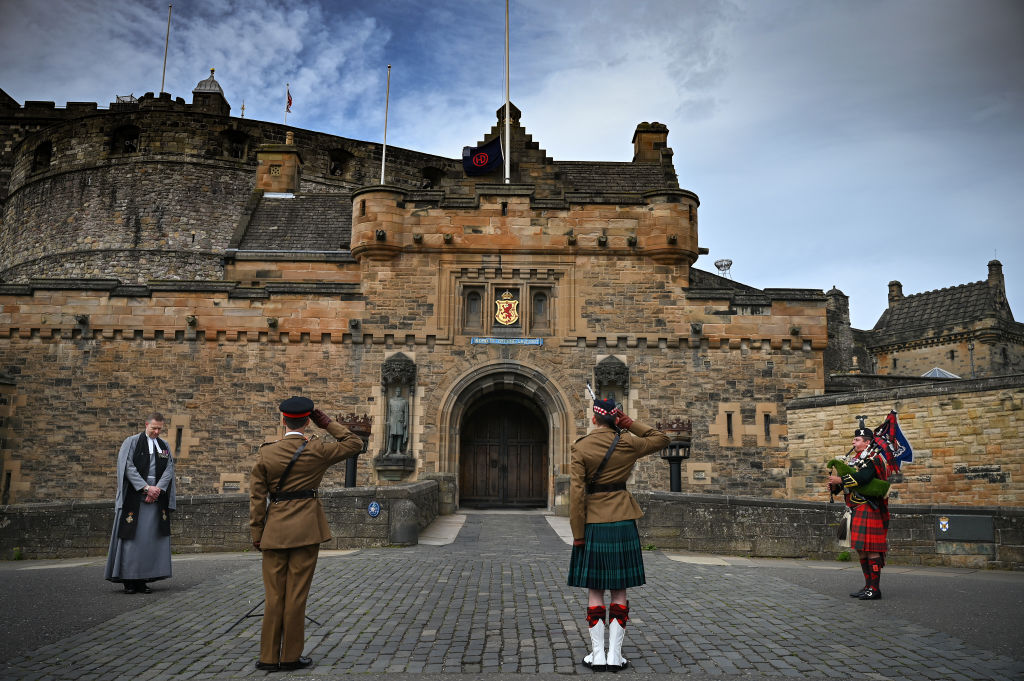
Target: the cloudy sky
(832, 143)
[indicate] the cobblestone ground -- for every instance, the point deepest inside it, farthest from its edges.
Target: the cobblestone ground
(495, 601)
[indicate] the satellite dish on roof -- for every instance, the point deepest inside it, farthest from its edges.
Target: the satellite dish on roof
(724, 265)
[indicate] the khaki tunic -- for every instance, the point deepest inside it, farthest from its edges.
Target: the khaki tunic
(297, 522)
(587, 454)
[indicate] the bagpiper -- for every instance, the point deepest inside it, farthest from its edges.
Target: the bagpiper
(863, 480)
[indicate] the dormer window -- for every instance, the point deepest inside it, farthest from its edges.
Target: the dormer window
(125, 140)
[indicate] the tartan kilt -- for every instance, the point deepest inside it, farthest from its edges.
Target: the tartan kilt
(610, 558)
(869, 529)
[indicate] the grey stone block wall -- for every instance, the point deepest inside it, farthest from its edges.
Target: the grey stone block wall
(806, 529)
(210, 523)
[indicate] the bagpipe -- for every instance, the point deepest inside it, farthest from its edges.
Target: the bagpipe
(876, 487)
(887, 444)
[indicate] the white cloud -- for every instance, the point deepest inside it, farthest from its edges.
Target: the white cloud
(812, 131)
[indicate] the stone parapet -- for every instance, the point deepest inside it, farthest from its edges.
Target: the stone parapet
(213, 523)
(967, 437)
(802, 529)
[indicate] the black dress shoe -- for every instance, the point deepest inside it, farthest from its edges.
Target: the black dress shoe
(129, 588)
(300, 663)
(871, 594)
(858, 594)
(267, 666)
(143, 588)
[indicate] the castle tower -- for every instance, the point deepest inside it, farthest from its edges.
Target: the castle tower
(208, 97)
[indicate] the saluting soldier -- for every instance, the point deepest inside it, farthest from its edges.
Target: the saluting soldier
(288, 524)
(606, 553)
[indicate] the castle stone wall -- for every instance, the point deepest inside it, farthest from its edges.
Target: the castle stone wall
(967, 437)
(800, 529)
(216, 359)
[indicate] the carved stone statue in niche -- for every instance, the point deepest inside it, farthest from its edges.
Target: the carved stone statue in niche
(398, 374)
(611, 379)
(398, 423)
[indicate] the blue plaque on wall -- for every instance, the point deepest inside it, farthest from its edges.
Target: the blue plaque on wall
(373, 509)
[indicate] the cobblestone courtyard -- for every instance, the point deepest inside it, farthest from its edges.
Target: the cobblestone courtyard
(495, 601)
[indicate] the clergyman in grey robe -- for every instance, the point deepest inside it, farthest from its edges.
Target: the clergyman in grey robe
(140, 542)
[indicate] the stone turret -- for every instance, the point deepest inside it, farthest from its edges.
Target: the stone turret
(208, 97)
(996, 282)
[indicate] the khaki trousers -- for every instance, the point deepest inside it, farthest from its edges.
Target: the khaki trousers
(287, 574)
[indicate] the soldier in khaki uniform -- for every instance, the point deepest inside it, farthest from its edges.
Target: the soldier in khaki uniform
(288, 525)
(606, 551)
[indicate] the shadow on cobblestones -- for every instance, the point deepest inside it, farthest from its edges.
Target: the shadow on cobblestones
(495, 601)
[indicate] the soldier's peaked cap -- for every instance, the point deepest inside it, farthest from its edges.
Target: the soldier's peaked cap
(297, 407)
(604, 407)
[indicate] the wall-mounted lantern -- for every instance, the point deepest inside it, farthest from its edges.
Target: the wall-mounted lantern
(680, 435)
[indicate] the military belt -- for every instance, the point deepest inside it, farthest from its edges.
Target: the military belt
(610, 487)
(288, 496)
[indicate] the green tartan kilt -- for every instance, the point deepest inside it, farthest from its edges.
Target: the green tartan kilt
(610, 557)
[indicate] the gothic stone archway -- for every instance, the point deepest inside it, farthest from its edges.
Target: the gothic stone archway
(471, 418)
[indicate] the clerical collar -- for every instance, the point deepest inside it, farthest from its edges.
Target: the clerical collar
(295, 432)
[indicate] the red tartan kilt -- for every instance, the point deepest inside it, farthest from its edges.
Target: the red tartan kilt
(868, 530)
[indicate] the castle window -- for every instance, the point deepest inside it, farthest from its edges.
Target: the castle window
(235, 144)
(339, 161)
(540, 311)
(728, 425)
(125, 140)
(42, 157)
(952, 355)
(473, 309)
(768, 427)
(431, 177)
(894, 361)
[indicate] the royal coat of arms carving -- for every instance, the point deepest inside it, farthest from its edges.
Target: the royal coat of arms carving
(508, 309)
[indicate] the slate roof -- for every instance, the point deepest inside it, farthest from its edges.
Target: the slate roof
(613, 177)
(939, 311)
(701, 279)
(934, 309)
(307, 222)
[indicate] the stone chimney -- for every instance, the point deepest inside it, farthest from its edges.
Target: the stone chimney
(895, 292)
(648, 141)
(995, 280)
(279, 166)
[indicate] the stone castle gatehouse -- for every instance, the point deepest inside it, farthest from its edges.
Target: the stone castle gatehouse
(163, 255)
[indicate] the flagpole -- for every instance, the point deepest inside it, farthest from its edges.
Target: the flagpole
(167, 40)
(384, 149)
(508, 138)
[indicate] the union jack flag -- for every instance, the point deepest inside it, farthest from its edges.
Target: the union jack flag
(288, 91)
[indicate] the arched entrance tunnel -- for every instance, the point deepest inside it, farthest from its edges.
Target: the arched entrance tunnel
(505, 430)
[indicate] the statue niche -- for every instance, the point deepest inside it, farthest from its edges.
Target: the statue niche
(398, 378)
(611, 379)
